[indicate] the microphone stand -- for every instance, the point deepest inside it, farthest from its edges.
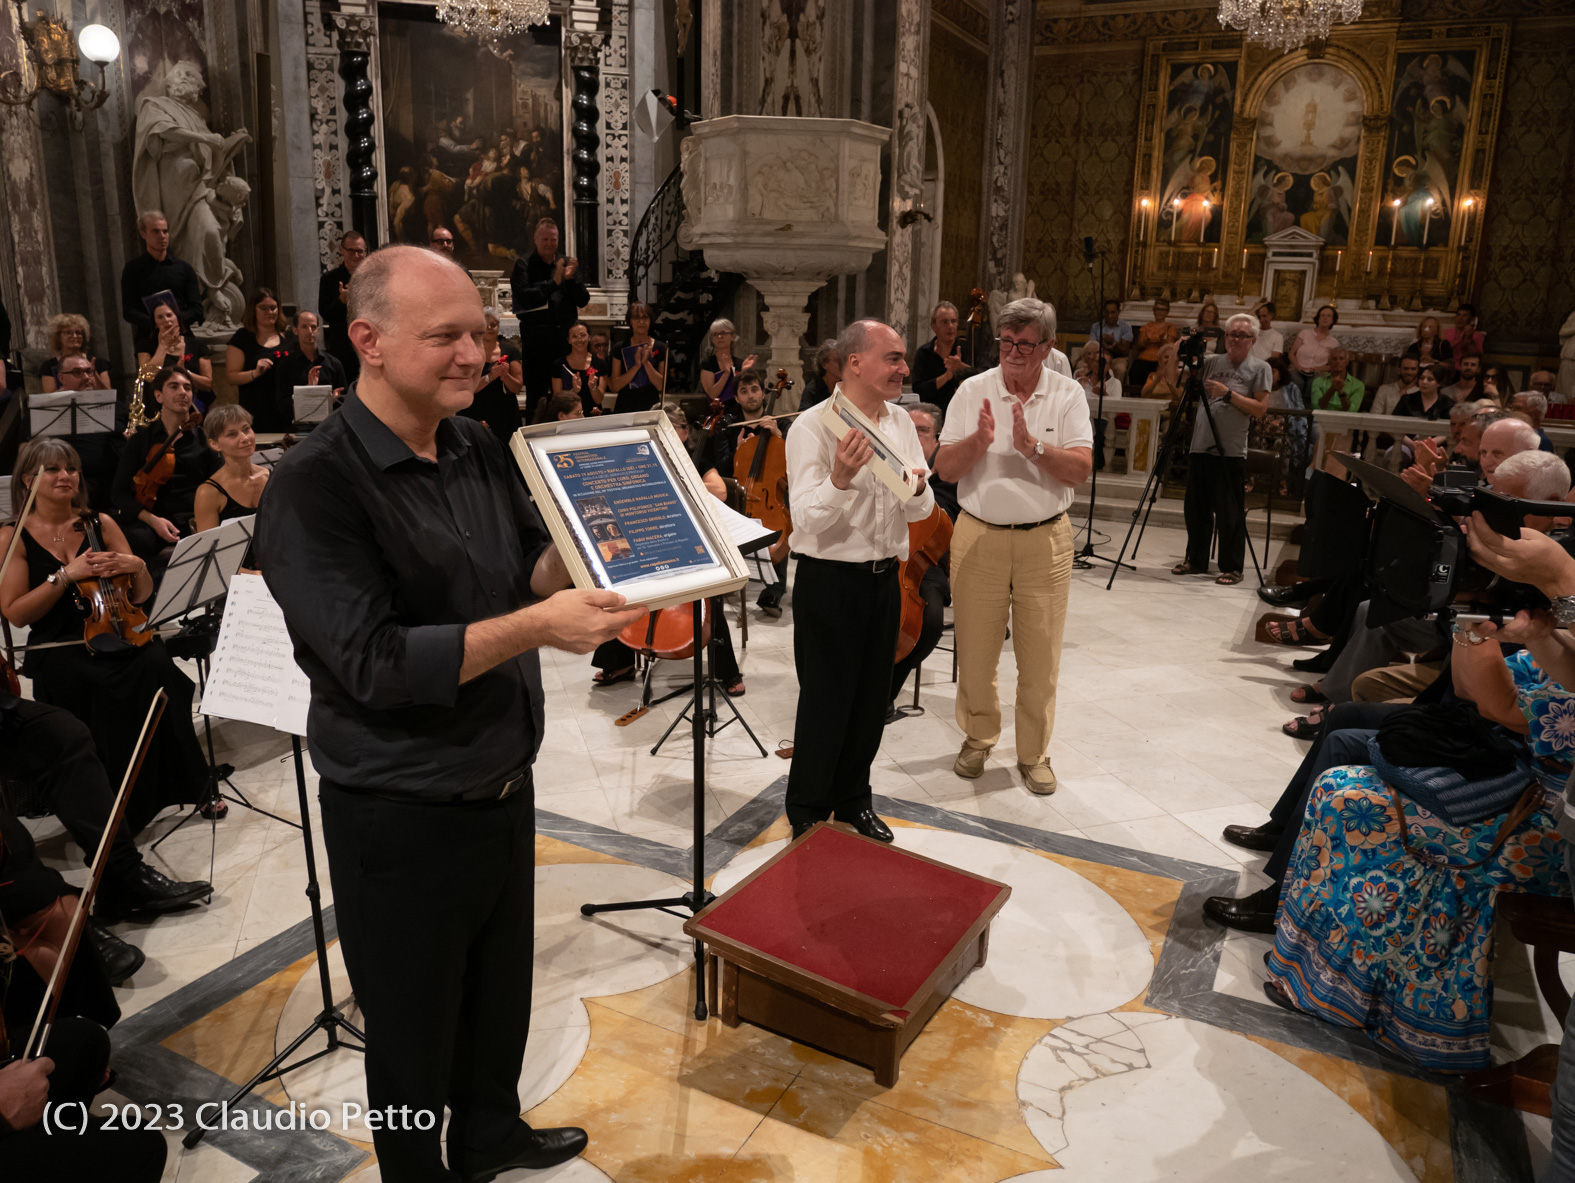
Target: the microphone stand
(1083, 560)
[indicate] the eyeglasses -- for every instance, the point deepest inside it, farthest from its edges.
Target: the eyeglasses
(1021, 348)
(1239, 337)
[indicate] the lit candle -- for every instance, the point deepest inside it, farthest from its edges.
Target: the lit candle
(1338, 255)
(1394, 222)
(1175, 216)
(1215, 260)
(1244, 260)
(1369, 262)
(1427, 216)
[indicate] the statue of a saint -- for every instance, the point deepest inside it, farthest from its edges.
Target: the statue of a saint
(181, 167)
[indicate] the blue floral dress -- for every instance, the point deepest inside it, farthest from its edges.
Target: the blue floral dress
(1399, 943)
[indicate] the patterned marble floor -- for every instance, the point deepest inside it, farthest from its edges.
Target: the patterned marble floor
(1112, 1035)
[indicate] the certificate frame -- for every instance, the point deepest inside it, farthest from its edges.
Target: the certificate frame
(887, 464)
(572, 518)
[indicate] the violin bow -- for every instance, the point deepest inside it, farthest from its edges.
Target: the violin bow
(16, 535)
(51, 1000)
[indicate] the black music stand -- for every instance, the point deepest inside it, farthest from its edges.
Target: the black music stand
(65, 411)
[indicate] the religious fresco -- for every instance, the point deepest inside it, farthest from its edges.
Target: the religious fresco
(473, 136)
(1427, 128)
(1196, 149)
(1304, 163)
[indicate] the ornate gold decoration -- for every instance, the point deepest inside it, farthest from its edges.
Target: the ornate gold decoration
(51, 52)
(492, 20)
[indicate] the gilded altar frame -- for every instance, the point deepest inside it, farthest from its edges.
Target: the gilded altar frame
(1364, 270)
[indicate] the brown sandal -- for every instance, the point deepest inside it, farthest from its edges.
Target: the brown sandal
(1292, 632)
(1229, 578)
(1184, 568)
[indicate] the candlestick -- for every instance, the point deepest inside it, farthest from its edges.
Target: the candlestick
(1427, 217)
(1175, 216)
(1369, 262)
(1394, 222)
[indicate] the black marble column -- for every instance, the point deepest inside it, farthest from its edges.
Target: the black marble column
(361, 154)
(586, 157)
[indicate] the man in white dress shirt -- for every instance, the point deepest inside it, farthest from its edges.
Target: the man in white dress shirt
(1018, 442)
(850, 533)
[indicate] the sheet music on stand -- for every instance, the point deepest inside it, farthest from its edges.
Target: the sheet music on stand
(253, 676)
(71, 413)
(201, 569)
(753, 540)
(313, 404)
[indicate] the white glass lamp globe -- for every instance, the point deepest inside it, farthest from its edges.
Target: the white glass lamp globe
(98, 44)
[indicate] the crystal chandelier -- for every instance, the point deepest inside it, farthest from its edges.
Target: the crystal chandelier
(492, 20)
(1287, 24)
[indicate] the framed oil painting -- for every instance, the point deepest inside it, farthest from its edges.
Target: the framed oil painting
(1195, 149)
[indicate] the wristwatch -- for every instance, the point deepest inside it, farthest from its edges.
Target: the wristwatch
(1039, 448)
(1564, 610)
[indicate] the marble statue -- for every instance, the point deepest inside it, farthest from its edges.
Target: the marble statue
(1022, 288)
(1566, 382)
(181, 167)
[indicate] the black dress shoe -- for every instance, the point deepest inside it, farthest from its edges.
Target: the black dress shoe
(1252, 837)
(1282, 595)
(866, 823)
(148, 892)
(119, 959)
(541, 1149)
(1255, 913)
(801, 828)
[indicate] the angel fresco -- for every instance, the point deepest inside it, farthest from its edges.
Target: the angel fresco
(1427, 123)
(1196, 148)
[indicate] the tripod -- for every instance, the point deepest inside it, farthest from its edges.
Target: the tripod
(701, 720)
(709, 712)
(1192, 392)
(1083, 560)
(329, 1021)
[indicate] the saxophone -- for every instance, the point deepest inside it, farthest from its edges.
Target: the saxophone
(137, 416)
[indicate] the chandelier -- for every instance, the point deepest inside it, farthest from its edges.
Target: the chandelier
(493, 20)
(1287, 24)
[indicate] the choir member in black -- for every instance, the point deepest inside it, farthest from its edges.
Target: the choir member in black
(152, 530)
(639, 371)
(743, 419)
(940, 366)
(331, 290)
(497, 402)
(309, 363)
(174, 345)
(601, 349)
(935, 589)
(614, 661)
(828, 372)
(156, 270)
(253, 358)
(235, 490)
(719, 372)
(548, 296)
(110, 692)
(578, 372)
(68, 335)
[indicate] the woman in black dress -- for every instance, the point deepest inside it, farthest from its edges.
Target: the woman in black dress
(497, 403)
(235, 490)
(578, 373)
(109, 691)
(250, 359)
(639, 371)
(173, 345)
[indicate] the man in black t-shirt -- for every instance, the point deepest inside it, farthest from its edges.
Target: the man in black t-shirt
(331, 297)
(548, 297)
(157, 270)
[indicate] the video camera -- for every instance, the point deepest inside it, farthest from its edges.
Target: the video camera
(1191, 345)
(1416, 559)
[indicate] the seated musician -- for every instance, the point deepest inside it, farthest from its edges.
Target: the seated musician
(160, 469)
(745, 418)
(936, 587)
(614, 660)
(110, 692)
(235, 490)
(557, 408)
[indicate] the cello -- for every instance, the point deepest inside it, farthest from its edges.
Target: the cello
(760, 468)
(929, 542)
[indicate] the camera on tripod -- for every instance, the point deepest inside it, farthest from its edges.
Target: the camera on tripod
(1190, 348)
(1416, 558)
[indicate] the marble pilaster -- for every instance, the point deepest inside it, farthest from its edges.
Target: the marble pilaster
(28, 284)
(909, 130)
(1006, 118)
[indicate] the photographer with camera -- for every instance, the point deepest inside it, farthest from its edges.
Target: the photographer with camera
(1236, 389)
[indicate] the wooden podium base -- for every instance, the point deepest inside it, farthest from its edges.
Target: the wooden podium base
(846, 944)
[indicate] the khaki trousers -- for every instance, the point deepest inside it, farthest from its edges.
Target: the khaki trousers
(1023, 576)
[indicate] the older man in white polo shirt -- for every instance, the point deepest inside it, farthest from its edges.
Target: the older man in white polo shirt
(1018, 442)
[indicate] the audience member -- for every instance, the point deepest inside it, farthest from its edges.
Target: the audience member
(1498, 386)
(153, 272)
(1464, 336)
(942, 362)
(1389, 394)
(1270, 345)
(1208, 328)
(235, 490)
(1542, 382)
(1309, 353)
(68, 335)
(1467, 386)
(828, 372)
(548, 296)
(719, 372)
(639, 369)
(174, 345)
(1165, 379)
(1086, 372)
(442, 241)
(1114, 336)
(1426, 401)
(502, 378)
(253, 360)
(1503, 439)
(1337, 389)
(308, 362)
(577, 372)
(332, 296)
(1429, 345)
(1534, 405)
(1151, 338)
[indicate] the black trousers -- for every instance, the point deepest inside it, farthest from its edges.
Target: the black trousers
(1346, 729)
(53, 751)
(934, 589)
(844, 640)
(435, 912)
(1215, 496)
(80, 1050)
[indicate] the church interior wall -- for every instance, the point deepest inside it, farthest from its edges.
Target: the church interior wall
(957, 64)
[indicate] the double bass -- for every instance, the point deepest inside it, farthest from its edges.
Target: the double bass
(760, 468)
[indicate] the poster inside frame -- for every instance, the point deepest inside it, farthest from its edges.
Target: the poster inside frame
(629, 514)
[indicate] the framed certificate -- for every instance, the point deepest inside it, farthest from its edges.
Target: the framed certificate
(623, 501)
(887, 464)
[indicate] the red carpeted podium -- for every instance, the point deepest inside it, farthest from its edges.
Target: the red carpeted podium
(847, 944)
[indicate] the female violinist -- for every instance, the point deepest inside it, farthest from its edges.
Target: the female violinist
(235, 490)
(107, 691)
(161, 467)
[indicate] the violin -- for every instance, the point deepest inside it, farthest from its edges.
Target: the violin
(114, 624)
(160, 465)
(668, 633)
(928, 543)
(760, 468)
